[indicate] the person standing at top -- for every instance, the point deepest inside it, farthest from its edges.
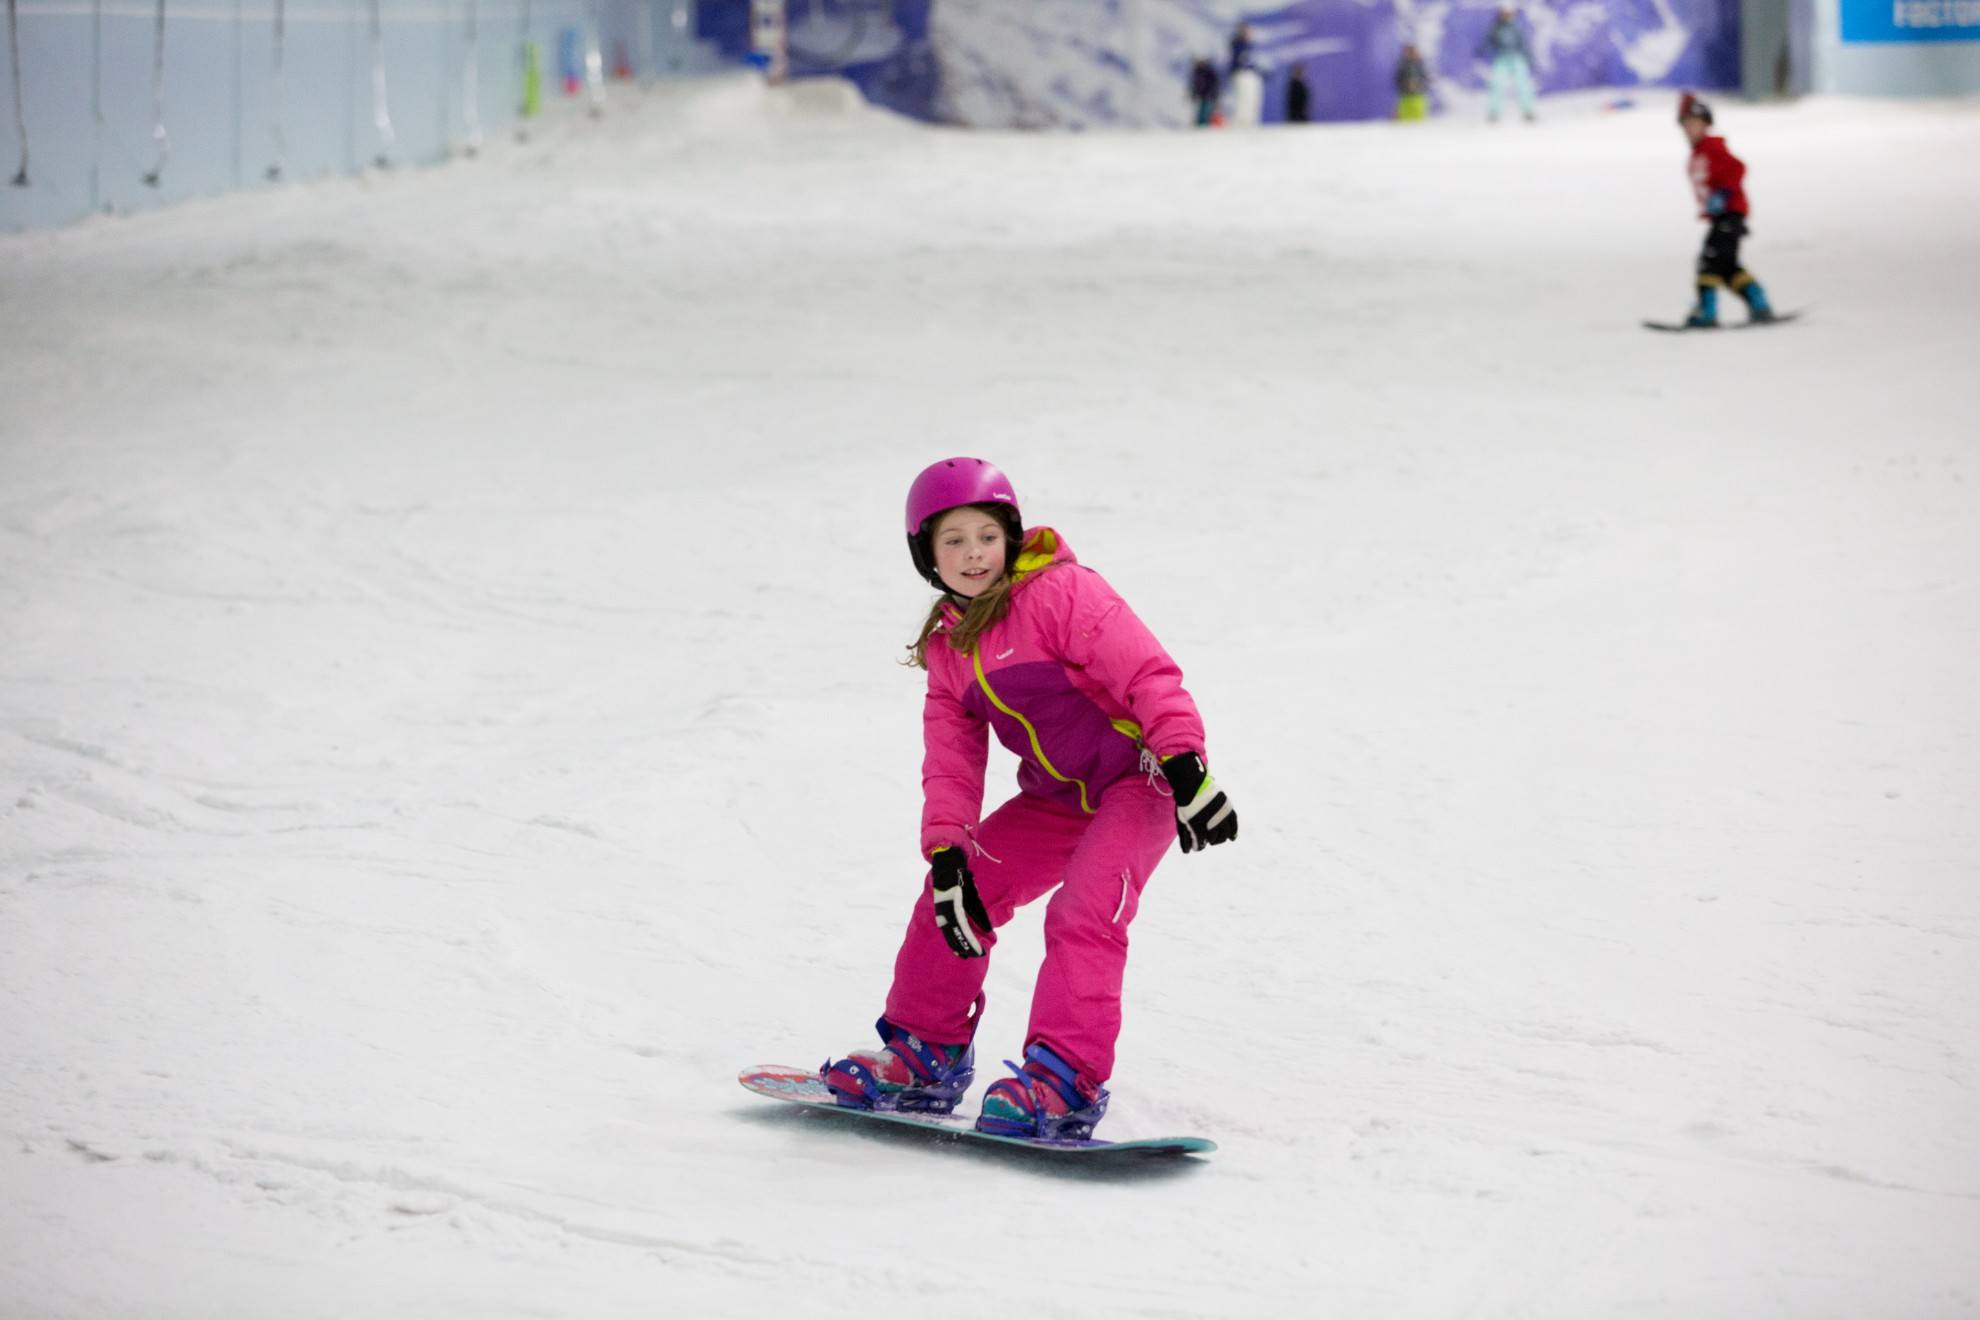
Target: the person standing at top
(1247, 84)
(1203, 89)
(1240, 47)
(1505, 47)
(1299, 97)
(1412, 85)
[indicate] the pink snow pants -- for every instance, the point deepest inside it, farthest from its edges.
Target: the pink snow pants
(1027, 846)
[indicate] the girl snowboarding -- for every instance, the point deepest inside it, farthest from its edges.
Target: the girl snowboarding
(1029, 643)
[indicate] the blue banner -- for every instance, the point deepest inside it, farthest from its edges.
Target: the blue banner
(1079, 63)
(1911, 20)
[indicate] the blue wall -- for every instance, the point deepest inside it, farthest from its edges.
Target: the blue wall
(220, 93)
(1860, 50)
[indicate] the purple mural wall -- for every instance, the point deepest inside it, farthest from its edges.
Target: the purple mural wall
(1093, 63)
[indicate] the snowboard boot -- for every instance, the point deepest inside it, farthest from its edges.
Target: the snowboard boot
(1757, 306)
(1705, 315)
(1046, 1099)
(906, 1073)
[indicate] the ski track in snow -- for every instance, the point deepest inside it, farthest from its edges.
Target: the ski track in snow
(449, 721)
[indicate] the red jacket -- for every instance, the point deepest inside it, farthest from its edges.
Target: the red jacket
(1715, 169)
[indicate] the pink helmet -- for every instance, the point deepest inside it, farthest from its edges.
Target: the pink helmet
(950, 484)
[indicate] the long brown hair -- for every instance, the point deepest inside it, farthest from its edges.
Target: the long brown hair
(992, 605)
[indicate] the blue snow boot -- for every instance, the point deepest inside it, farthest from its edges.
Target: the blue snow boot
(1757, 305)
(906, 1073)
(1706, 314)
(1046, 1099)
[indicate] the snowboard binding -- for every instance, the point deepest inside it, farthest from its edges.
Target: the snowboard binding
(907, 1074)
(1045, 1100)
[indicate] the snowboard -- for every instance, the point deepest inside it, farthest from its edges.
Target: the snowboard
(801, 1087)
(1679, 327)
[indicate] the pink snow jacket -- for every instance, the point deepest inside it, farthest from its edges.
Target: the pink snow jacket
(1070, 679)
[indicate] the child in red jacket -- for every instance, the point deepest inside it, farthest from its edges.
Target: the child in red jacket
(1716, 176)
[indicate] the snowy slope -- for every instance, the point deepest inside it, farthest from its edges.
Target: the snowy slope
(449, 720)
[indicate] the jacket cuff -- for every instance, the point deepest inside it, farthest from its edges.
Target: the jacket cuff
(941, 839)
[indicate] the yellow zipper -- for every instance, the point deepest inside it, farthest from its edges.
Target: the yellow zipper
(982, 681)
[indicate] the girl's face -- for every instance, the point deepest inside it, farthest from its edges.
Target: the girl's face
(969, 551)
(1694, 129)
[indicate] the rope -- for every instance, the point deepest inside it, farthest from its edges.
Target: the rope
(381, 111)
(158, 101)
(20, 112)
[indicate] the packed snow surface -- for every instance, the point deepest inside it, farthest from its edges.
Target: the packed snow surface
(450, 720)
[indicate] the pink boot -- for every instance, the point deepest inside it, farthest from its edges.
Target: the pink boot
(1047, 1099)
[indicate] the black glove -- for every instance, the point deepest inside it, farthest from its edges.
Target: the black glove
(1203, 814)
(958, 910)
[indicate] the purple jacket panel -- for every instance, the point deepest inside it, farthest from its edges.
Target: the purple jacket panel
(1077, 736)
